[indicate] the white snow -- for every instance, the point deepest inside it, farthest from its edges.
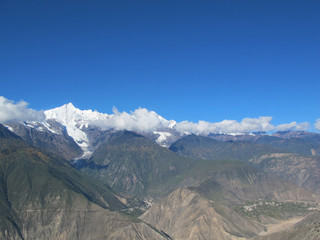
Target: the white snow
(9, 128)
(163, 136)
(239, 134)
(75, 120)
(48, 126)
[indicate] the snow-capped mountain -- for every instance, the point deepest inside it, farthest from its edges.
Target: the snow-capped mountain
(88, 128)
(75, 133)
(75, 121)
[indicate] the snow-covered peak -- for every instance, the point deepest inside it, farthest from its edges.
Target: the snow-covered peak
(75, 120)
(69, 114)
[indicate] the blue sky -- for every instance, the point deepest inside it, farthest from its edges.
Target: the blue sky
(186, 60)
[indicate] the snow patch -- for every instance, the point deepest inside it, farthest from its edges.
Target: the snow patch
(9, 128)
(163, 136)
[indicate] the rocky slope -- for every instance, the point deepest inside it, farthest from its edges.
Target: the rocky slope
(185, 215)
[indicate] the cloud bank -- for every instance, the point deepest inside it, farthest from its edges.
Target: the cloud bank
(11, 111)
(143, 120)
(246, 125)
(317, 124)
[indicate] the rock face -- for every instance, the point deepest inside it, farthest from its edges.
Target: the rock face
(185, 215)
(303, 171)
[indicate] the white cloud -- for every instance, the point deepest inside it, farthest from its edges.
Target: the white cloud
(141, 120)
(317, 124)
(11, 111)
(227, 126)
(293, 126)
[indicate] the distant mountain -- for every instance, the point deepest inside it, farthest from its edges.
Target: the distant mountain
(207, 148)
(307, 144)
(43, 197)
(301, 142)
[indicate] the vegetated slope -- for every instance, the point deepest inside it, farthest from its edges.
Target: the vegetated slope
(43, 197)
(303, 171)
(134, 164)
(307, 229)
(207, 148)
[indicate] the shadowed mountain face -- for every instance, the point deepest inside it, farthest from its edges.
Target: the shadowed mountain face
(57, 142)
(43, 197)
(134, 164)
(207, 148)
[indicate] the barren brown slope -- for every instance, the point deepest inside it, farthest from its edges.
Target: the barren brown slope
(307, 229)
(186, 215)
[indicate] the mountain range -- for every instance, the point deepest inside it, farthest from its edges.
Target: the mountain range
(81, 132)
(72, 176)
